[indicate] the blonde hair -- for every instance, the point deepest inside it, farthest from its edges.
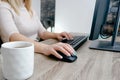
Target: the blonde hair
(15, 4)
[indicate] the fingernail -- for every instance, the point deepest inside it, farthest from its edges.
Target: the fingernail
(75, 53)
(61, 57)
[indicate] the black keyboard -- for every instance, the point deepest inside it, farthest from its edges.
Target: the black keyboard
(76, 42)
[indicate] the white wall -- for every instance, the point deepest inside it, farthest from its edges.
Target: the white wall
(74, 15)
(37, 7)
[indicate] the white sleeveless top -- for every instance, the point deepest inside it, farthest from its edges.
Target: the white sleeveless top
(23, 23)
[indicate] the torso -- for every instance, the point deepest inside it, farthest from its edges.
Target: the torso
(25, 24)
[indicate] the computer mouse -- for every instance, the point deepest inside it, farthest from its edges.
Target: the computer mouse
(65, 58)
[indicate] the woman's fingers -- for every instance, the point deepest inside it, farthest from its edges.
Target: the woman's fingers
(69, 48)
(64, 48)
(61, 47)
(56, 54)
(67, 35)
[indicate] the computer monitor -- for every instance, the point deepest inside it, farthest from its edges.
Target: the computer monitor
(99, 19)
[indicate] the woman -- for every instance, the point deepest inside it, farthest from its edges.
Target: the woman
(18, 22)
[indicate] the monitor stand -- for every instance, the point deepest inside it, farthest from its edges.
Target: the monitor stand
(109, 45)
(105, 45)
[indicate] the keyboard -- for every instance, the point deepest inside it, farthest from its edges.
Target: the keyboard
(76, 42)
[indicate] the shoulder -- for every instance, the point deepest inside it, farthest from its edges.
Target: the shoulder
(5, 8)
(5, 5)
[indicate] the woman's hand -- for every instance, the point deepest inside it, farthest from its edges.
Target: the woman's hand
(62, 47)
(62, 35)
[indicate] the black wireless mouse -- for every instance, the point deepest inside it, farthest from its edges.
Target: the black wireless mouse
(65, 58)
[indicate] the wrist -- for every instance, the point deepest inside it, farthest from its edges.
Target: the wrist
(56, 35)
(41, 48)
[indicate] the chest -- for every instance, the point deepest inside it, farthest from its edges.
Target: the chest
(25, 23)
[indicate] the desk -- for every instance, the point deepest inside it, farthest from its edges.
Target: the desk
(90, 65)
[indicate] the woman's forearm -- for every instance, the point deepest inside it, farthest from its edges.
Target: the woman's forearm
(48, 35)
(59, 36)
(39, 47)
(44, 48)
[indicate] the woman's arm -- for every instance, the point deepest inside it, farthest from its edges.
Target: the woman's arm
(44, 48)
(59, 36)
(20, 37)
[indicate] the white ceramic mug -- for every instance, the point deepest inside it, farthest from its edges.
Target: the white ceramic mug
(17, 60)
